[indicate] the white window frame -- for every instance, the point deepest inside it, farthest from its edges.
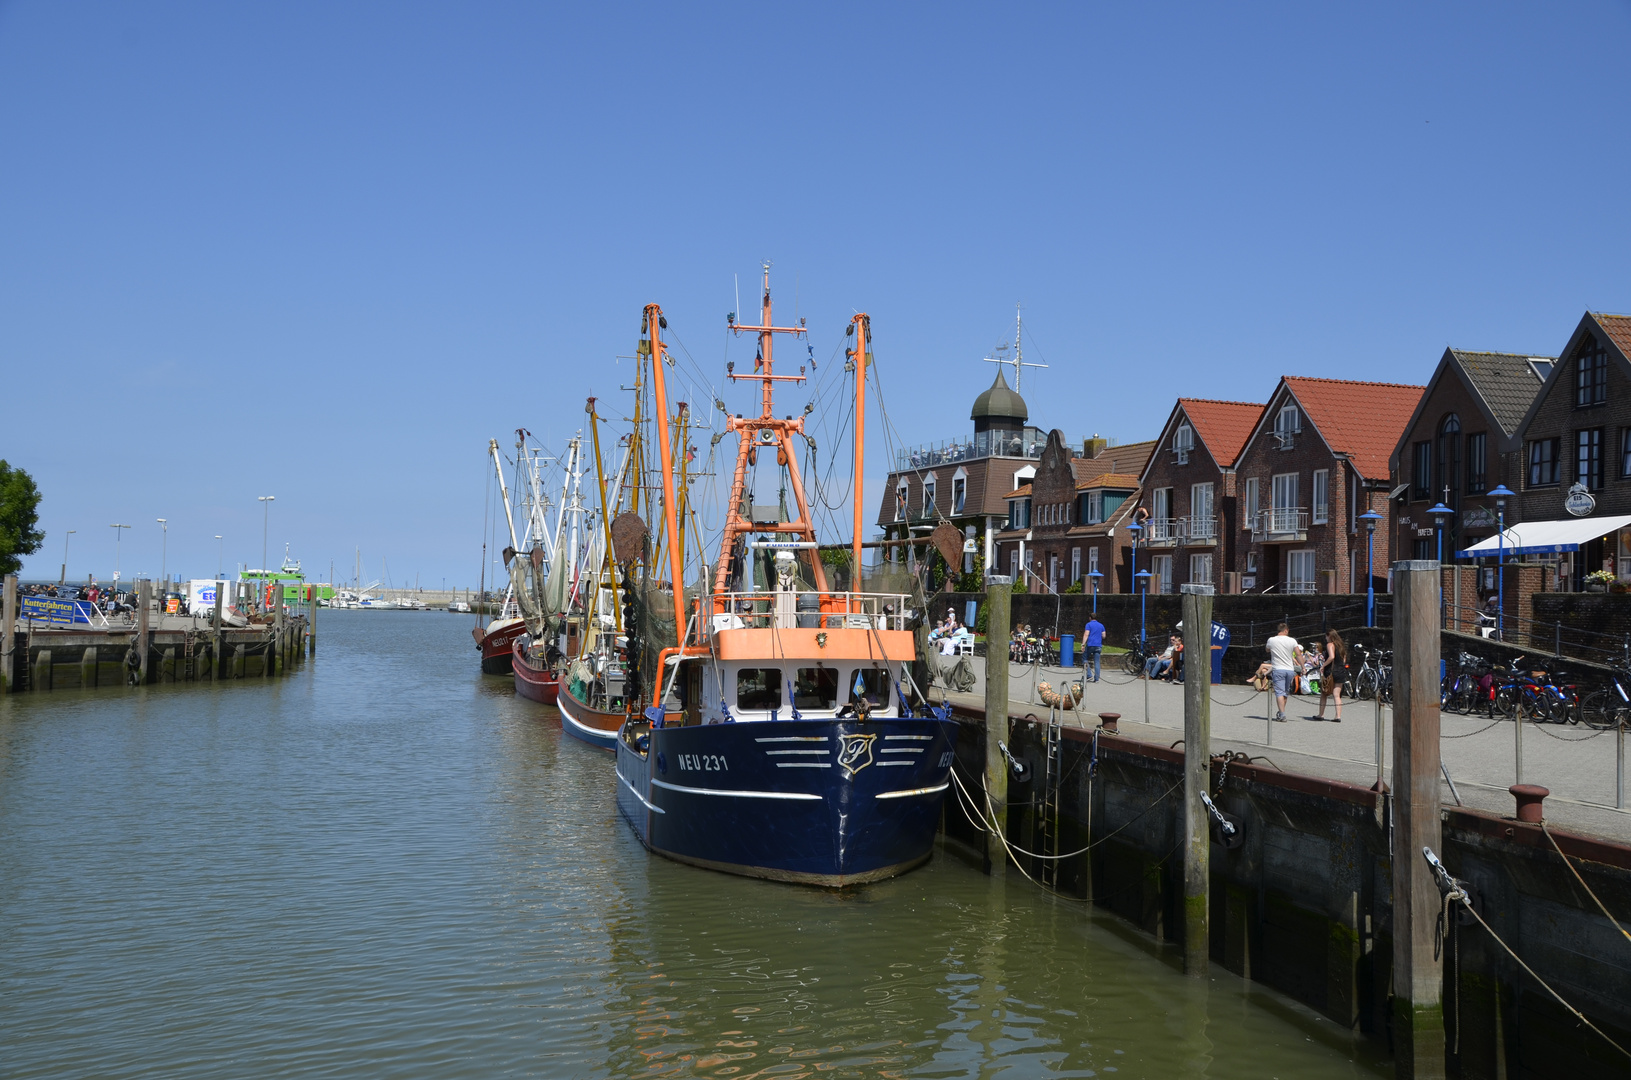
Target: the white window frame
(1196, 563)
(1307, 559)
(1095, 508)
(1161, 575)
(1320, 508)
(903, 500)
(1249, 518)
(1092, 560)
(1289, 487)
(1202, 507)
(959, 498)
(1075, 565)
(1013, 563)
(1294, 426)
(930, 483)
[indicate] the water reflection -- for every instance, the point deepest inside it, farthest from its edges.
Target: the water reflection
(388, 865)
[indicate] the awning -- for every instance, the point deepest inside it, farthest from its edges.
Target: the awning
(1547, 537)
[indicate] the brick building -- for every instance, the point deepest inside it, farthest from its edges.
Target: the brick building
(1317, 459)
(1460, 444)
(1193, 529)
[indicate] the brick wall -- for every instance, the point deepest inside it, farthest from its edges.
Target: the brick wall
(1558, 416)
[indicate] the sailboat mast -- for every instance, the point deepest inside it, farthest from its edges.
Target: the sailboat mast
(655, 323)
(861, 328)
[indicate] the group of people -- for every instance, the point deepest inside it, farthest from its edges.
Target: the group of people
(947, 633)
(1289, 663)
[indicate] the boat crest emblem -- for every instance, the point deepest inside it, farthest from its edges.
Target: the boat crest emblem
(821, 640)
(855, 752)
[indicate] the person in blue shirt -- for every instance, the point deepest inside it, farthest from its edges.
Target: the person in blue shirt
(1092, 645)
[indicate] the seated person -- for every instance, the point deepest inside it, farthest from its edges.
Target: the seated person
(1156, 666)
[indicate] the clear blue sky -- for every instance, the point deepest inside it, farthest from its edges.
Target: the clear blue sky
(326, 251)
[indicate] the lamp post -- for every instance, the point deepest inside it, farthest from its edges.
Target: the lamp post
(65, 537)
(116, 549)
(1501, 494)
(266, 507)
(164, 556)
(1094, 575)
(1143, 579)
(1370, 518)
(1135, 528)
(1440, 512)
(220, 557)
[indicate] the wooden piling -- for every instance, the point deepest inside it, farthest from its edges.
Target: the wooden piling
(311, 625)
(144, 627)
(1418, 979)
(998, 596)
(274, 647)
(8, 646)
(216, 619)
(1197, 608)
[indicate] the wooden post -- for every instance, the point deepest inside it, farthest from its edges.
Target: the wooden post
(274, 648)
(311, 625)
(998, 596)
(215, 624)
(8, 613)
(144, 627)
(1418, 1003)
(1197, 605)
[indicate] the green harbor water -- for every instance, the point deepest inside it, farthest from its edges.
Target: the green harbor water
(387, 865)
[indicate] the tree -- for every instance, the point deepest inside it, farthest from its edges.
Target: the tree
(19, 514)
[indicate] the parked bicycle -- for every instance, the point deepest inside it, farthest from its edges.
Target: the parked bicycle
(1374, 676)
(1609, 707)
(1137, 656)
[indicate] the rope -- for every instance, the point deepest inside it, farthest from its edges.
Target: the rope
(990, 828)
(1582, 882)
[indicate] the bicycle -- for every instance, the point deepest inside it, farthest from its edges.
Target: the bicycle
(1610, 707)
(1137, 656)
(1373, 680)
(1463, 689)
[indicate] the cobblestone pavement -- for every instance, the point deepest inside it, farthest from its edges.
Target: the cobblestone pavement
(1577, 764)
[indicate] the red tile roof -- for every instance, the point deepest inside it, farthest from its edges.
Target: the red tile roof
(1618, 328)
(1023, 489)
(1128, 459)
(1109, 479)
(1224, 426)
(1361, 419)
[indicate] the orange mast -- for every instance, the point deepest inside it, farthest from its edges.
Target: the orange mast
(765, 431)
(861, 328)
(655, 322)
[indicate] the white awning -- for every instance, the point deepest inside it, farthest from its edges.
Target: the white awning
(1547, 537)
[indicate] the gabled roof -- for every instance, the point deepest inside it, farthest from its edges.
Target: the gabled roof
(1507, 382)
(1360, 419)
(1108, 480)
(1224, 426)
(1128, 459)
(1613, 329)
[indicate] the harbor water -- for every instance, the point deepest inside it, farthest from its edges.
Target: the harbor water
(388, 865)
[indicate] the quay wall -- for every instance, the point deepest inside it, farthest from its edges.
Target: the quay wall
(1304, 903)
(44, 660)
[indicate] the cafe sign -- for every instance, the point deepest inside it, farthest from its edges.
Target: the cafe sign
(1579, 501)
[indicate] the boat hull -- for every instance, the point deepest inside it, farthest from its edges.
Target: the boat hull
(533, 680)
(495, 643)
(821, 802)
(593, 726)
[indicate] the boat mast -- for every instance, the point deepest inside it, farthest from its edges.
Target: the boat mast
(654, 323)
(766, 431)
(498, 465)
(605, 520)
(861, 329)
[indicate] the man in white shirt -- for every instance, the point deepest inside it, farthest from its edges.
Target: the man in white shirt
(1283, 650)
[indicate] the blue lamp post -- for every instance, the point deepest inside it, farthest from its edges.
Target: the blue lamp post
(1501, 494)
(1135, 528)
(1440, 512)
(1143, 579)
(1095, 576)
(1370, 518)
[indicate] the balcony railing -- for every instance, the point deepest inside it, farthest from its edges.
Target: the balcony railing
(1182, 530)
(1281, 523)
(1303, 587)
(1025, 443)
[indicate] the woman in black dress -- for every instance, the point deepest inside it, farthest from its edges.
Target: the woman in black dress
(1333, 672)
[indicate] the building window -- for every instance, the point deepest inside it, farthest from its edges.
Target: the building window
(1543, 462)
(1161, 514)
(1591, 376)
(1322, 496)
(1251, 503)
(1094, 508)
(1075, 565)
(1201, 523)
(1286, 426)
(928, 497)
(1093, 560)
(959, 493)
(1588, 459)
(1477, 474)
(1449, 445)
(1200, 569)
(900, 503)
(1421, 473)
(1183, 441)
(1625, 451)
(1053, 572)
(1019, 513)
(1161, 575)
(1251, 562)
(1425, 549)
(1013, 565)
(1300, 571)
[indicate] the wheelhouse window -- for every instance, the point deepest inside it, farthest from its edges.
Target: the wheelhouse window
(1543, 462)
(1591, 376)
(815, 688)
(1477, 466)
(759, 688)
(871, 684)
(1588, 459)
(1421, 473)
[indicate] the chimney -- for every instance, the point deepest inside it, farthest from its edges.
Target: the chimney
(1093, 447)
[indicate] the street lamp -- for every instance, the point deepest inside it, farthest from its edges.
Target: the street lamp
(220, 559)
(116, 535)
(65, 537)
(1142, 578)
(164, 557)
(1370, 518)
(1501, 494)
(1095, 576)
(266, 506)
(1440, 512)
(1135, 528)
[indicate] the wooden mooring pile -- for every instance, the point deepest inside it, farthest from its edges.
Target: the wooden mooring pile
(152, 648)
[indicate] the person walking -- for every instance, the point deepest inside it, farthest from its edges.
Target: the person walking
(1333, 672)
(1283, 650)
(1092, 646)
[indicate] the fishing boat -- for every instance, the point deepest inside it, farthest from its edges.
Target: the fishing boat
(783, 737)
(552, 635)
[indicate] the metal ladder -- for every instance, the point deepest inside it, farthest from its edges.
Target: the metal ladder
(1047, 832)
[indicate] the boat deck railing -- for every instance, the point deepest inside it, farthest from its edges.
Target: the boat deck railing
(810, 610)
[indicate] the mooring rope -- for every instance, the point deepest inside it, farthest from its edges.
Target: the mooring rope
(1582, 882)
(988, 826)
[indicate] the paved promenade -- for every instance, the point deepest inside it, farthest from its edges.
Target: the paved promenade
(1578, 765)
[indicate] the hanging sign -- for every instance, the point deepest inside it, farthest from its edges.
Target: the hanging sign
(1579, 501)
(1478, 517)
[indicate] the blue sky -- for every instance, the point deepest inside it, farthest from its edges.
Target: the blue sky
(326, 251)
